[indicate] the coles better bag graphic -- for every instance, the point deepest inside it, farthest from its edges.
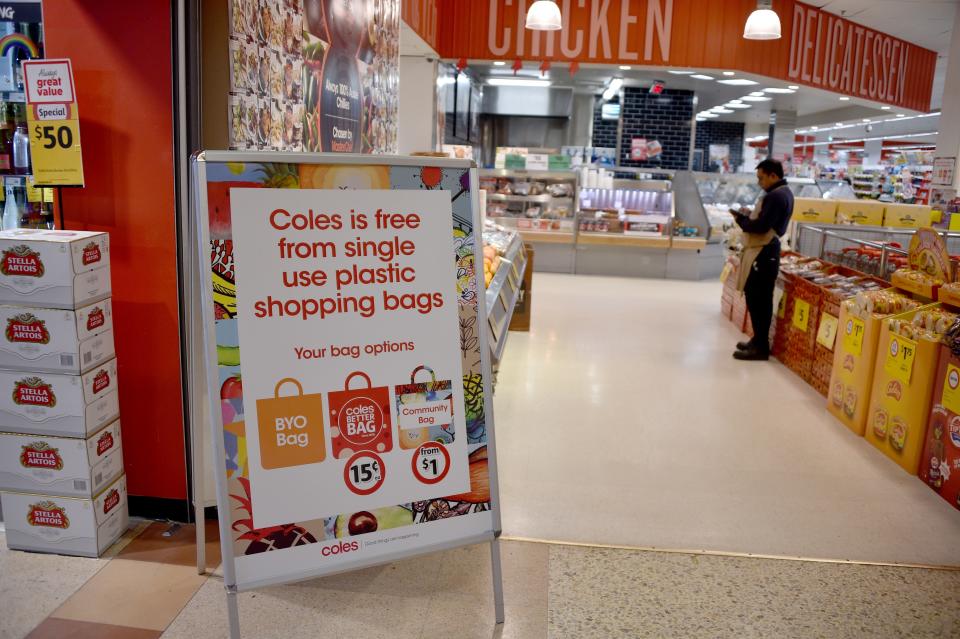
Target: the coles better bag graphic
(291, 428)
(360, 418)
(425, 410)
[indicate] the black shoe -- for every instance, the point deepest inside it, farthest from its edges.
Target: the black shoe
(752, 355)
(744, 346)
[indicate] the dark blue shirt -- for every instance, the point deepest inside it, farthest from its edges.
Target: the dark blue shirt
(775, 211)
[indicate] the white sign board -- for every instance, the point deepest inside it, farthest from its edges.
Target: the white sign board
(347, 361)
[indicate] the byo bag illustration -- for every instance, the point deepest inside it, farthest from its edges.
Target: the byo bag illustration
(425, 410)
(360, 418)
(291, 428)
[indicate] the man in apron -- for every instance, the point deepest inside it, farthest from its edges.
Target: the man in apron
(760, 262)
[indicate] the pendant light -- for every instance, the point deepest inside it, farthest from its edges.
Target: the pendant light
(544, 15)
(763, 24)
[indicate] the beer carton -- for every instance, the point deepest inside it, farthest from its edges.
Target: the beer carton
(56, 341)
(59, 405)
(54, 269)
(66, 525)
(61, 466)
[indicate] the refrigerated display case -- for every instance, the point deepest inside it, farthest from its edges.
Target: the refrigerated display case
(541, 206)
(505, 282)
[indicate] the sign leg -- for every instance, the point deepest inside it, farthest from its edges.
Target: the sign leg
(497, 581)
(233, 613)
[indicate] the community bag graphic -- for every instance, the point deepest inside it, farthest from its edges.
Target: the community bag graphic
(360, 418)
(425, 410)
(291, 428)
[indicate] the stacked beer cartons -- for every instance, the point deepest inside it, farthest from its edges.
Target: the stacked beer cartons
(62, 484)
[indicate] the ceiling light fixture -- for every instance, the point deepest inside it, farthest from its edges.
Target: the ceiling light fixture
(544, 15)
(885, 108)
(612, 88)
(901, 115)
(778, 90)
(729, 73)
(757, 94)
(814, 128)
(794, 87)
(499, 63)
(700, 76)
(866, 119)
(756, 98)
(737, 106)
(722, 110)
(844, 98)
(737, 82)
(517, 82)
(680, 72)
(709, 115)
(763, 24)
(625, 67)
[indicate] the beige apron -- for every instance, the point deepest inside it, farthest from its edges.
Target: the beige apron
(753, 243)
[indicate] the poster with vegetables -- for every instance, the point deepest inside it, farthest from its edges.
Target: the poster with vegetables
(393, 414)
(323, 75)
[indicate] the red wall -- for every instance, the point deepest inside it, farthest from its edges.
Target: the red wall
(121, 52)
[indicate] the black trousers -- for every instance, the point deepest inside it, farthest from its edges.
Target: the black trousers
(759, 293)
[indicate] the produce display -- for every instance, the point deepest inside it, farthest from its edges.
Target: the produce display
(496, 241)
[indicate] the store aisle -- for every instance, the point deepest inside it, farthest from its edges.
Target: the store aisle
(622, 419)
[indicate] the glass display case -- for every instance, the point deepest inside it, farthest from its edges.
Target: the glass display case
(639, 209)
(836, 190)
(532, 201)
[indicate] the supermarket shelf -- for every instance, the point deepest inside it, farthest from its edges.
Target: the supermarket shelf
(619, 239)
(502, 295)
(548, 237)
(689, 243)
(519, 173)
(545, 198)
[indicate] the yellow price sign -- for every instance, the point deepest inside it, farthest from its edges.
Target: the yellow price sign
(827, 333)
(53, 124)
(951, 389)
(801, 315)
(853, 336)
(900, 355)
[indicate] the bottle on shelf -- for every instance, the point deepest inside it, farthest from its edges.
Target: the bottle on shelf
(21, 141)
(6, 139)
(11, 209)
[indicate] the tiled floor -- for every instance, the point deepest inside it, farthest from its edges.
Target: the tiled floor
(621, 419)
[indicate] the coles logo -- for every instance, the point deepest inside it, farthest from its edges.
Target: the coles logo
(848, 362)
(895, 390)
(894, 347)
(111, 501)
(27, 328)
(32, 391)
(91, 254)
(105, 443)
(953, 379)
(21, 260)
(101, 381)
(41, 455)
(96, 319)
(340, 548)
(48, 514)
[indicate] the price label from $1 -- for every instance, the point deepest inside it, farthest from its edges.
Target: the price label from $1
(431, 463)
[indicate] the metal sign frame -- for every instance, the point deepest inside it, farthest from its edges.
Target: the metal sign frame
(202, 376)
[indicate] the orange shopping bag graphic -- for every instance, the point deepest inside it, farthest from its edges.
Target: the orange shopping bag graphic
(360, 419)
(291, 428)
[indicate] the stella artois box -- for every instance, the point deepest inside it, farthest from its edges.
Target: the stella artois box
(54, 269)
(61, 466)
(59, 405)
(55, 340)
(66, 525)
